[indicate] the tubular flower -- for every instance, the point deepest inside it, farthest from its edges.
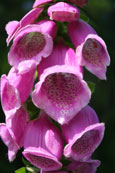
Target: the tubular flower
(61, 92)
(83, 134)
(38, 3)
(89, 166)
(12, 132)
(44, 148)
(63, 12)
(13, 27)
(80, 3)
(16, 87)
(31, 43)
(91, 50)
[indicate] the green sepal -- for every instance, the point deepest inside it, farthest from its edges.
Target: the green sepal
(91, 86)
(21, 170)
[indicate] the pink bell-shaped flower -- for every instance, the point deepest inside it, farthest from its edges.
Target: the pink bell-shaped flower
(80, 3)
(61, 91)
(83, 134)
(91, 50)
(45, 146)
(63, 12)
(12, 132)
(89, 166)
(38, 3)
(31, 43)
(17, 86)
(13, 27)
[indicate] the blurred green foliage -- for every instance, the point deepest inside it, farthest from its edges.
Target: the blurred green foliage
(101, 16)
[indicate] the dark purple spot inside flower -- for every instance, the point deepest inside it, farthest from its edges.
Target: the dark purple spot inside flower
(42, 162)
(62, 88)
(86, 143)
(30, 45)
(93, 51)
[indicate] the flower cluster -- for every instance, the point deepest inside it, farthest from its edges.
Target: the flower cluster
(66, 124)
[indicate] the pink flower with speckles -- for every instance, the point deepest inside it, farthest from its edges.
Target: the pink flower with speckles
(31, 43)
(61, 91)
(45, 146)
(91, 50)
(13, 27)
(63, 12)
(83, 134)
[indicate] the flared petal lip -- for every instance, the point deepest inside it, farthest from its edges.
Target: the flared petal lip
(14, 59)
(10, 112)
(29, 18)
(100, 72)
(63, 69)
(68, 148)
(42, 153)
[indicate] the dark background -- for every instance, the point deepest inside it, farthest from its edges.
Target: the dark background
(102, 17)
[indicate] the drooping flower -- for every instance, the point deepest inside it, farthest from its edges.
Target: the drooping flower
(61, 91)
(83, 134)
(80, 3)
(39, 3)
(31, 43)
(63, 12)
(89, 166)
(12, 132)
(13, 27)
(91, 50)
(44, 148)
(16, 87)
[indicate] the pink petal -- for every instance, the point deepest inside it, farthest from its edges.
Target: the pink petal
(41, 2)
(63, 12)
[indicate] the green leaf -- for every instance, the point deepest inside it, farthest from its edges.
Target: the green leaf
(21, 170)
(91, 86)
(84, 17)
(33, 169)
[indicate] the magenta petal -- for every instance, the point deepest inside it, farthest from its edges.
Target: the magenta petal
(61, 93)
(93, 54)
(16, 125)
(86, 117)
(31, 43)
(78, 31)
(9, 142)
(45, 147)
(62, 11)
(13, 27)
(84, 144)
(10, 98)
(83, 134)
(89, 166)
(48, 27)
(23, 78)
(61, 55)
(41, 2)
(91, 50)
